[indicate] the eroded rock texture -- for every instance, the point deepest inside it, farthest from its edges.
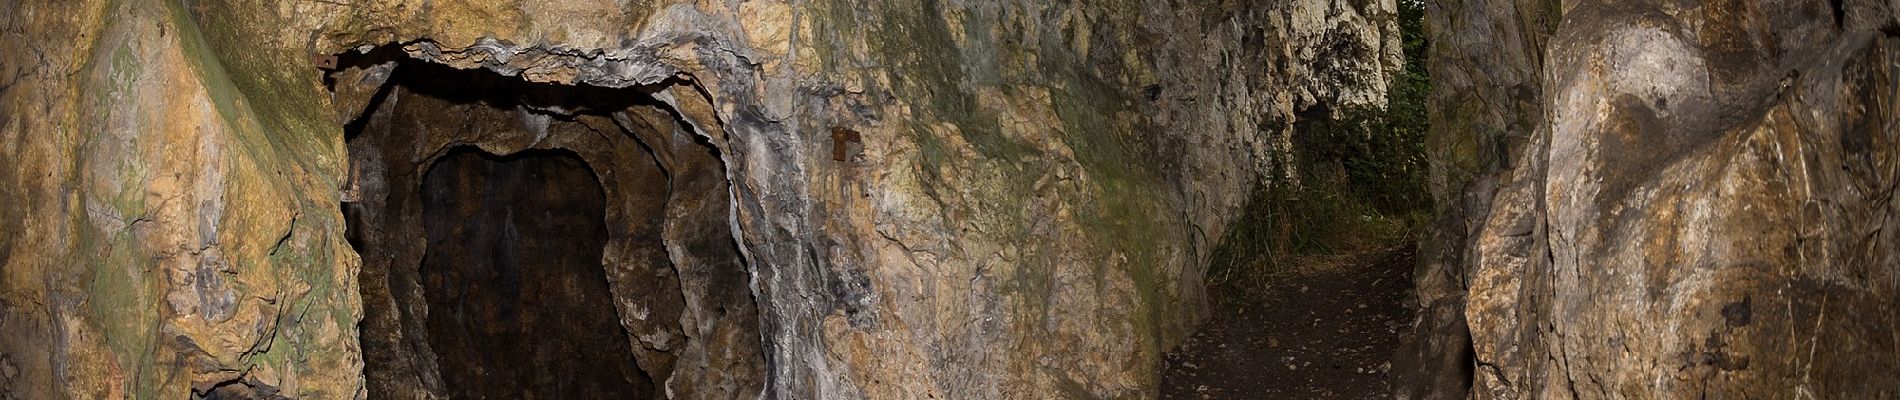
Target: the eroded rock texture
(1486, 66)
(454, 276)
(1023, 199)
(1690, 200)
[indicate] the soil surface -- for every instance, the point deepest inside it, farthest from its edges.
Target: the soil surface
(1323, 332)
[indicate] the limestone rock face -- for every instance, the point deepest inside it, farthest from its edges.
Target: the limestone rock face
(1486, 66)
(1703, 205)
(896, 199)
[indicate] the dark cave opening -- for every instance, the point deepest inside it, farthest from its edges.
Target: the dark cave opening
(513, 278)
(537, 240)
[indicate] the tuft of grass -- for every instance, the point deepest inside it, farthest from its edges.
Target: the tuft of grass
(1287, 230)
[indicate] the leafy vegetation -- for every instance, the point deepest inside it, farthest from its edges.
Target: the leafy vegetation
(1355, 183)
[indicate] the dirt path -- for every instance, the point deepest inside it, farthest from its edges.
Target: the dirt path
(1328, 333)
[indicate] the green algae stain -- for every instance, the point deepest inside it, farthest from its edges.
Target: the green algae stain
(123, 71)
(928, 69)
(121, 299)
(1112, 144)
(275, 123)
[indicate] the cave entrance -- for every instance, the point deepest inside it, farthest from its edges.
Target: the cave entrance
(512, 273)
(539, 240)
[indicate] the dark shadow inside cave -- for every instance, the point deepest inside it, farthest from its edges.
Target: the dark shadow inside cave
(537, 240)
(512, 272)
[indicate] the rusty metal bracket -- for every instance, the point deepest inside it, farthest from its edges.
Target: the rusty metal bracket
(324, 61)
(841, 140)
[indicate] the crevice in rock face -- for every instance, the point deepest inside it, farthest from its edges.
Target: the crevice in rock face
(537, 240)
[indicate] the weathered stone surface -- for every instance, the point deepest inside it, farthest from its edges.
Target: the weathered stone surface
(161, 236)
(1027, 215)
(1704, 206)
(1486, 66)
(678, 286)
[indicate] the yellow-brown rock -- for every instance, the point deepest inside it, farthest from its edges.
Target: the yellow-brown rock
(1027, 215)
(1661, 199)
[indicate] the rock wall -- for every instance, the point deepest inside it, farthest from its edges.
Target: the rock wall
(949, 199)
(1486, 67)
(1689, 199)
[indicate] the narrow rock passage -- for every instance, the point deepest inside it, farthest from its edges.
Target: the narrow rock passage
(1323, 332)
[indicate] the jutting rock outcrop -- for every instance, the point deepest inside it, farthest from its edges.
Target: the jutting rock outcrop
(1665, 199)
(811, 199)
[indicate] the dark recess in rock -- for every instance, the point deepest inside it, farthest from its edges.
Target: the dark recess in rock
(536, 240)
(518, 302)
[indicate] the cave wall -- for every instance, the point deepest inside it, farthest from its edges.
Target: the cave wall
(1025, 210)
(1664, 199)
